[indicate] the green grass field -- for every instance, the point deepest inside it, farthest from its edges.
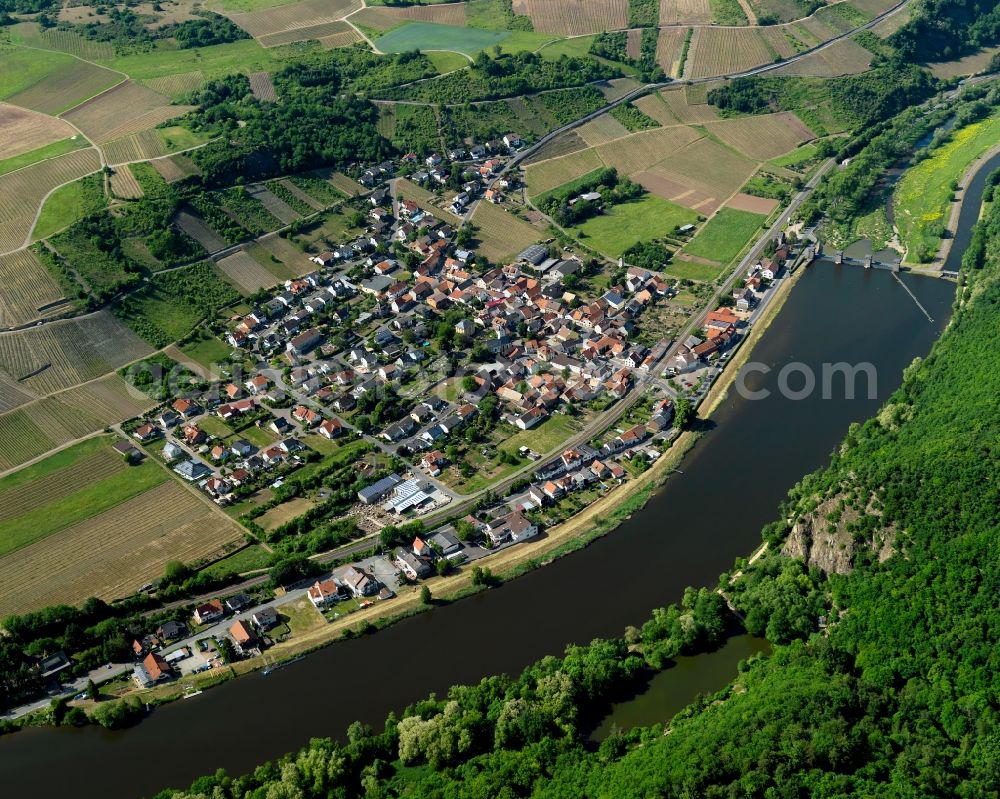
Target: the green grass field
(803, 153)
(208, 351)
(68, 204)
(546, 436)
(688, 270)
(725, 234)
(248, 559)
(87, 502)
(922, 197)
(23, 67)
(447, 61)
(215, 61)
(42, 153)
(623, 225)
(428, 36)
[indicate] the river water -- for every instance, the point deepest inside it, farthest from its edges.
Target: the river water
(688, 533)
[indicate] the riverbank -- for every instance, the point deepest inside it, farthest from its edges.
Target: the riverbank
(951, 228)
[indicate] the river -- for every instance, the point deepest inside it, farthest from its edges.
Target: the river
(688, 533)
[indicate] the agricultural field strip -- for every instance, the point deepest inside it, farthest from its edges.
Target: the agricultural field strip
(309, 13)
(23, 191)
(125, 546)
(28, 286)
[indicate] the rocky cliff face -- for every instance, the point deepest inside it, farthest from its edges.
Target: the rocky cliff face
(829, 544)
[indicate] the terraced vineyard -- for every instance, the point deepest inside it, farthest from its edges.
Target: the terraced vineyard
(22, 192)
(64, 353)
(724, 51)
(574, 17)
(124, 184)
(674, 12)
(245, 273)
(27, 289)
(111, 554)
(383, 18)
(762, 137)
(126, 109)
(308, 14)
(501, 234)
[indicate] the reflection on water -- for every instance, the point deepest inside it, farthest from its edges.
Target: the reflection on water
(675, 687)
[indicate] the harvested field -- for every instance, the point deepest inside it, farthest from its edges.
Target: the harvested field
(22, 131)
(136, 147)
(22, 192)
(325, 30)
(725, 51)
(306, 14)
(27, 289)
(342, 39)
(126, 109)
(755, 205)
(245, 273)
(111, 554)
(969, 65)
(175, 167)
(543, 176)
(64, 353)
(707, 167)
(684, 110)
(383, 18)
(669, 46)
(263, 87)
(176, 86)
(641, 150)
(845, 57)
(616, 87)
(677, 192)
(654, 107)
(124, 184)
(198, 230)
(674, 12)
(65, 87)
(762, 137)
(574, 17)
(602, 130)
(501, 234)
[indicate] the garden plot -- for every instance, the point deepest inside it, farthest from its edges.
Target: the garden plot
(22, 192)
(383, 18)
(29, 291)
(126, 109)
(674, 12)
(245, 273)
(574, 17)
(762, 137)
(845, 57)
(306, 14)
(22, 130)
(109, 555)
